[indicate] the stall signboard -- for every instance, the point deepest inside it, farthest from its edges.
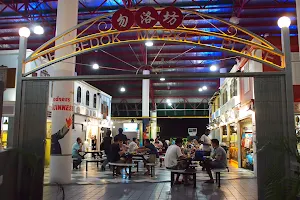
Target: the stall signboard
(146, 18)
(297, 107)
(192, 131)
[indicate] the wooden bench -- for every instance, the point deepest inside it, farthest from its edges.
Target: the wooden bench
(99, 160)
(183, 172)
(218, 174)
(152, 168)
(126, 165)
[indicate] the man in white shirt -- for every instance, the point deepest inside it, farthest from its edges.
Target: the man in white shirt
(206, 142)
(172, 156)
(133, 145)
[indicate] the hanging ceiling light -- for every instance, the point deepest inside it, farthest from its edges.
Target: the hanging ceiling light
(213, 68)
(169, 104)
(149, 43)
(200, 89)
(162, 79)
(39, 30)
(95, 66)
(122, 89)
(204, 87)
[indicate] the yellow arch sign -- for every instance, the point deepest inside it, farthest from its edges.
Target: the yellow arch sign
(190, 31)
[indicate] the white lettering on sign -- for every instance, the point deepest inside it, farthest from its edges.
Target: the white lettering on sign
(122, 20)
(146, 17)
(170, 18)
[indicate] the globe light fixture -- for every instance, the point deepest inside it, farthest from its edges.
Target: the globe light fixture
(39, 30)
(24, 32)
(169, 104)
(122, 89)
(200, 89)
(168, 101)
(162, 79)
(284, 22)
(95, 66)
(149, 43)
(213, 68)
(204, 87)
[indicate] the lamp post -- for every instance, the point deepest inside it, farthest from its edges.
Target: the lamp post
(284, 23)
(24, 33)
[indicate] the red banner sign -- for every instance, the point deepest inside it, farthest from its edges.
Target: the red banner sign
(147, 17)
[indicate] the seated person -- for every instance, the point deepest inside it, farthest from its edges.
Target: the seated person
(115, 152)
(76, 148)
(219, 159)
(153, 153)
(133, 146)
(172, 156)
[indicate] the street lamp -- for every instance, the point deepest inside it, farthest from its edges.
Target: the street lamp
(24, 32)
(284, 23)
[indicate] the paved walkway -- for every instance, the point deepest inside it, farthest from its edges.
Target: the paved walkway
(95, 176)
(239, 189)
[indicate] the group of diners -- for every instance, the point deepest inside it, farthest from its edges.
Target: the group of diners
(177, 156)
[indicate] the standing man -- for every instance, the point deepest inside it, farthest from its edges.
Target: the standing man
(219, 160)
(206, 142)
(121, 136)
(76, 148)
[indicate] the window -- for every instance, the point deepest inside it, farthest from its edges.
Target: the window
(79, 95)
(95, 101)
(224, 96)
(233, 88)
(87, 98)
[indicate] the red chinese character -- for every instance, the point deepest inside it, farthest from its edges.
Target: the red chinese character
(146, 17)
(123, 19)
(170, 17)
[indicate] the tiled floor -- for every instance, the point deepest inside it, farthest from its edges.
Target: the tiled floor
(239, 189)
(93, 184)
(95, 176)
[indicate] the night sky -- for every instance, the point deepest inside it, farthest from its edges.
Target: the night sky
(179, 127)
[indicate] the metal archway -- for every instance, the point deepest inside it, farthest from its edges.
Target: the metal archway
(188, 32)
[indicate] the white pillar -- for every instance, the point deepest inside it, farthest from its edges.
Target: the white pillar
(60, 163)
(145, 101)
(145, 95)
(222, 70)
(153, 124)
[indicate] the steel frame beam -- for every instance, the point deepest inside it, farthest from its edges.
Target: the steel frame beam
(154, 76)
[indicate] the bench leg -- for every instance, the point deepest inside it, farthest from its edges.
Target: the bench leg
(194, 179)
(137, 166)
(97, 165)
(153, 171)
(129, 172)
(86, 166)
(113, 170)
(172, 179)
(160, 160)
(219, 177)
